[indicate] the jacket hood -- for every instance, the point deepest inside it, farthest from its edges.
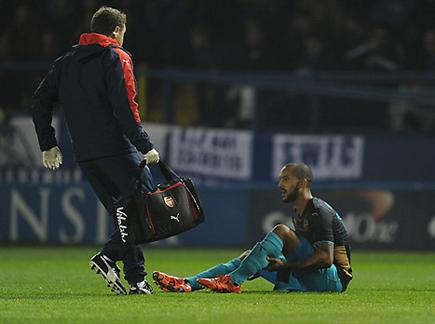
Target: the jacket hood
(92, 45)
(94, 38)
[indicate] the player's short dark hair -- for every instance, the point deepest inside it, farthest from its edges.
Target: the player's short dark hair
(301, 171)
(106, 19)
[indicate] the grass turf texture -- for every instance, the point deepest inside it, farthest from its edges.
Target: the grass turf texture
(55, 285)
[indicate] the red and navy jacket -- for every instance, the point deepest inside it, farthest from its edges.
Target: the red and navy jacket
(94, 84)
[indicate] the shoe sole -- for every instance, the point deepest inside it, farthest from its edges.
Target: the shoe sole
(166, 288)
(114, 286)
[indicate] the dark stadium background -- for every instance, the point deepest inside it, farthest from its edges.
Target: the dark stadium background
(229, 90)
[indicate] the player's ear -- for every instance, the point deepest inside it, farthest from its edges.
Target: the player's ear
(116, 31)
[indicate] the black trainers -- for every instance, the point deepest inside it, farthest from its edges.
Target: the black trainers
(139, 288)
(101, 264)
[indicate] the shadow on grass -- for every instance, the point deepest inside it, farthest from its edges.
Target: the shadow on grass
(393, 289)
(59, 295)
(322, 293)
(272, 292)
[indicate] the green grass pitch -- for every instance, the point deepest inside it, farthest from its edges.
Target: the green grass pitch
(55, 285)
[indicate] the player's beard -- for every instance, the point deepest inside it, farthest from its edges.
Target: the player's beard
(291, 197)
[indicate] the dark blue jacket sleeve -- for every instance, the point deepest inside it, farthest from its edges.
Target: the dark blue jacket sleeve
(43, 101)
(118, 99)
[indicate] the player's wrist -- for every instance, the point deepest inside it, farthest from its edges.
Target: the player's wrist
(294, 265)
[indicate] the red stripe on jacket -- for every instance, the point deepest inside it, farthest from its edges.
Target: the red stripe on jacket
(130, 83)
(127, 66)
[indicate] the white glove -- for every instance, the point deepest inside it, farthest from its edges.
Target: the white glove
(152, 156)
(52, 158)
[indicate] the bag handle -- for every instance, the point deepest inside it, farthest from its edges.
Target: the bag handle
(166, 171)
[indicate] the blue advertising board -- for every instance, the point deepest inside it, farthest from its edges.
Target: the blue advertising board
(71, 214)
(236, 216)
(38, 205)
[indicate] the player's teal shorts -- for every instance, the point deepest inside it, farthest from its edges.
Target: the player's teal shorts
(325, 279)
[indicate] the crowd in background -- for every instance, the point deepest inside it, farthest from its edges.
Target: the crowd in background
(237, 34)
(227, 35)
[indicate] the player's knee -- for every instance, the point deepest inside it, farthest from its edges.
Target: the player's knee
(284, 232)
(280, 230)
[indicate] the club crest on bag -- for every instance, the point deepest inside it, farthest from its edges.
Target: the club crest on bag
(169, 201)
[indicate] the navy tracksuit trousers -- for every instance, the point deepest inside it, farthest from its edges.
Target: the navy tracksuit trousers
(111, 178)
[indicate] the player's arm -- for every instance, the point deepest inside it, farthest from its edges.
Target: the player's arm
(321, 225)
(43, 101)
(323, 257)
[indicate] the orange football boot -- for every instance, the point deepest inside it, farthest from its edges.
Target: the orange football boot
(170, 283)
(222, 284)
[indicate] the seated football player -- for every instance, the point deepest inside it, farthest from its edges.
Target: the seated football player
(312, 255)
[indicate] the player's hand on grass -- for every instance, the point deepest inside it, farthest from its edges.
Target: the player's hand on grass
(276, 264)
(52, 158)
(152, 156)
